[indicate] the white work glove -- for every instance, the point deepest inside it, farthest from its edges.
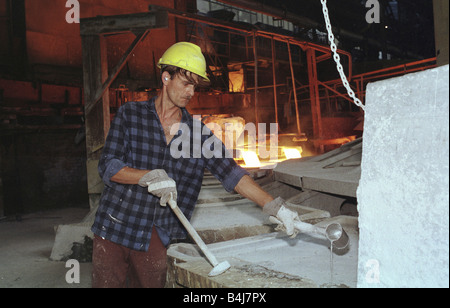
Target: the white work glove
(160, 184)
(277, 208)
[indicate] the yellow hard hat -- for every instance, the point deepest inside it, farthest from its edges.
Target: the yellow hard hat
(187, 56)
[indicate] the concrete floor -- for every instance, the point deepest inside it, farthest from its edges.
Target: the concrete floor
(26, 245)
(25, 248)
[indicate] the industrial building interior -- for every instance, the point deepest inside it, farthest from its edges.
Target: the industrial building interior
(63, 79)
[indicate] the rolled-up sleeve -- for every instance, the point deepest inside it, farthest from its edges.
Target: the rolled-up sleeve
(225, 169)
(111, 168)
(232, 179)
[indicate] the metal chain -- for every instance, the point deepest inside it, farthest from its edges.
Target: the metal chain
(337, 58)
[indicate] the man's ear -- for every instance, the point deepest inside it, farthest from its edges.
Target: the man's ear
(165, 77)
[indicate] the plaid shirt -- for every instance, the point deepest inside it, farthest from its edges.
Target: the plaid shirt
(127, 213)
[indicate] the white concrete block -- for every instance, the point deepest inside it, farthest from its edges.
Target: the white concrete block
(403, 193)
(66, 236)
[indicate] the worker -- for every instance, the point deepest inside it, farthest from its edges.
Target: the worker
(133, 226)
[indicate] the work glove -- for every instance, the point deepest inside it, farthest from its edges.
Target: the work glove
(277, 208)
(160, 184)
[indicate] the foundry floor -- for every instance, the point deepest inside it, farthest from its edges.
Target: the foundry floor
(25, 248)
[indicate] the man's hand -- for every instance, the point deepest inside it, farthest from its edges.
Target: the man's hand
(278, 209)
(160, 184)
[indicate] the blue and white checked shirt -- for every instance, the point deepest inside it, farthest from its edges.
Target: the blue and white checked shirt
(127, 213)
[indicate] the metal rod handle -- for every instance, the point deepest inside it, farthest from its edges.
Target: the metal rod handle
(198, 240)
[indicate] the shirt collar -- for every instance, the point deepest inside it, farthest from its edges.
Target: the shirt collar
(186, 117)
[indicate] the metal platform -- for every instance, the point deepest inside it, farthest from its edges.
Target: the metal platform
(270, 261)
(336, 172)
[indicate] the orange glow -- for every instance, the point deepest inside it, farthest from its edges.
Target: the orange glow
(241, 139)
(251, 159)
(236, 81)
(292, 153)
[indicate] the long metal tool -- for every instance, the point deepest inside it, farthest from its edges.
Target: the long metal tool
(219, 268)
(333, 232)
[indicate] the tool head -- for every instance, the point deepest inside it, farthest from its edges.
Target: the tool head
(337, 235)
(219, 269)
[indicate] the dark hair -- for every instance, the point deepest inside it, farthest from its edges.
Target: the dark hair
(174, 70)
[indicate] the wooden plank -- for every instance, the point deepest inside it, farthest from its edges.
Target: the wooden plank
(104, 96)
(124, 23)
(94, 59)
(97, 121)
(95, 183)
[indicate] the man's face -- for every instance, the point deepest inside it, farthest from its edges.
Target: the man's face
(180, 90)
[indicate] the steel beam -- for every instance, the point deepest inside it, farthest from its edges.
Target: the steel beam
(116, 24)
(314, 94)
(299, 130)
(255, 55)
(275, 99)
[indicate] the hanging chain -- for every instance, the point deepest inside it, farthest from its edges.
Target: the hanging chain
(337, 58)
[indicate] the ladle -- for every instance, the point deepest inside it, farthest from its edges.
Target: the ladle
(333, 232)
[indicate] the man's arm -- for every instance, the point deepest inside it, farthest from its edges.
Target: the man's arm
(249, 189)
(129, 175)
(157, 182)
(273, 207)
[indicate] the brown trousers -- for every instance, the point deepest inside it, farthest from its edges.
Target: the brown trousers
(115, 266)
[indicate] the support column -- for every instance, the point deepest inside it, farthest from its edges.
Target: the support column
(255, 55)
(2, 210)
(275, 99)
(294, 89)
(314, 97)
(97, 117)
